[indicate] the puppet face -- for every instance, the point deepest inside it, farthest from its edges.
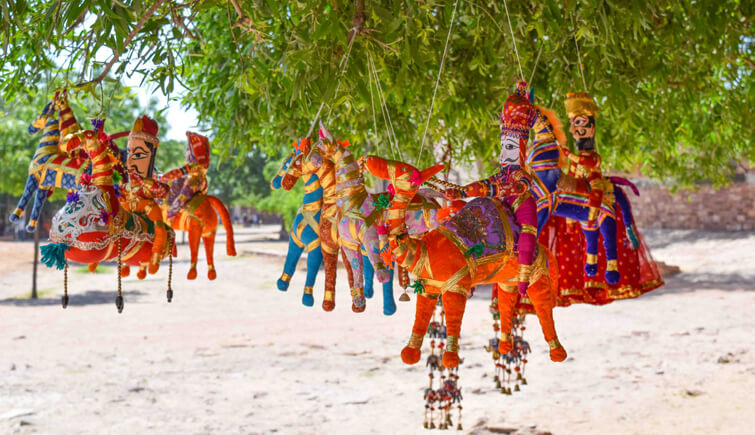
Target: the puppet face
(141, 157)
(583, 130)
(509, 150)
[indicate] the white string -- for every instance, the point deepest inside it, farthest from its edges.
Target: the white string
(372, 98)
(437, 82)
(342, 67)
(581, 68)
(534, 68)
(513, 39)
(390, 132)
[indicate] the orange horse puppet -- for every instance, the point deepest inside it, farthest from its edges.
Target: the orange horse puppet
(190, 209)
(474, 247)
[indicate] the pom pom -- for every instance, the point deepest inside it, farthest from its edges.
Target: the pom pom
(391, 189)
(98, 124)
(117, 178)
(383, 229)
(382, 202)
(86, 180)
(72, 197)
(418, 286)
(415, 178)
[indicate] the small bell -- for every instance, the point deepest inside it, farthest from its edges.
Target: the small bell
(169, 294)
(524, 381)
(119, 303)
(64, 301)
(516, 387)
(404, 297)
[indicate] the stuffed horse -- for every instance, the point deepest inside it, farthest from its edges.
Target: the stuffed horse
(53, 165)
(192, 209)
(324, 179)
(474, 247)
(557, 193)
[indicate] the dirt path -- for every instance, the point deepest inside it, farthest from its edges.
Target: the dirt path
(238, 356)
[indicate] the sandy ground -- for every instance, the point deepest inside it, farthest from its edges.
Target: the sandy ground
(238, 356)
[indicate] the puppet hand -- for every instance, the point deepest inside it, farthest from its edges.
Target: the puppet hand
(453, 193)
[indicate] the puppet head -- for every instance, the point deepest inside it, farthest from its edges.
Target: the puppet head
(142, 147)
(326, 143)
(582, 112)
(197, 149)
(517, 119)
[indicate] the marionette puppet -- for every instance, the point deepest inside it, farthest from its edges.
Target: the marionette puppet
(189, 208)
(93, 226)
(476, 246)
(621, 268)
(141, 193)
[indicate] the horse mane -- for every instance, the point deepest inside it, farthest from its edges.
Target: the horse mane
(552, 118)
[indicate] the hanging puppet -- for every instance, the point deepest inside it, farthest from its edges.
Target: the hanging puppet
(189, 208)
(141, 192)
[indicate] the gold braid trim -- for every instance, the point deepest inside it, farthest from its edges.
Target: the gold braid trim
(529, 229)
(612, 265)
(525, 270)
(591, 259)
(519, 200)
(508, 288)
(554, 344)
(308, 290)
(415, 341)
(330, 296)
(452, 344)
(285, 277)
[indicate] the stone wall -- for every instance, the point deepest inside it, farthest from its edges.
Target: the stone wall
(732, 208)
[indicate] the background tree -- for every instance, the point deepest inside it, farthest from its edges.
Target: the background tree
(673, 77)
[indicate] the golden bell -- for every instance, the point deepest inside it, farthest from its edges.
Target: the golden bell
(404, 297)
(516, 387)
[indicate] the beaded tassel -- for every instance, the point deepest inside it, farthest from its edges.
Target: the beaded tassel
(169, 293)
(447, 393)
(119, 298)
(64, 299)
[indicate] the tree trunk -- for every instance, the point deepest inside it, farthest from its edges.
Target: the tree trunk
(36, 263)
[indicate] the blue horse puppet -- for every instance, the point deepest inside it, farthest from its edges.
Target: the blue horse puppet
(557, 193)
(53, 165)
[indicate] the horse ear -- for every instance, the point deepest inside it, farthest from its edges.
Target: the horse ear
(377, 167)
(432, 170)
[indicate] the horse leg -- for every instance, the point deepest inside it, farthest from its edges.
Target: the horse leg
(292, 259)
(453, 304)
(591, 250)
(329, 254)
(608, 230)
(385, 276)
(209, 250)
(424, 312)
(195, 231)
(354, 258)
(507, 297)
(369, 275)
(542, 299)
(39, 202)
(29, 189)
(314, 261)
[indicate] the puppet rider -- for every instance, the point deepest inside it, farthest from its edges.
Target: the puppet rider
(582, 112)
(512, 182)
(140, 193)
(190, 180)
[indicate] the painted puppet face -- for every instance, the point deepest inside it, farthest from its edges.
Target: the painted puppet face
(141, 157)
(509, 150)
(583, 130)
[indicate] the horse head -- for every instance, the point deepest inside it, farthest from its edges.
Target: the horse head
(403, 176)
(295, 170)
(41, 120)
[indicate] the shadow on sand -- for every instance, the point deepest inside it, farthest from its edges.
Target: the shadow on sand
(90, 297)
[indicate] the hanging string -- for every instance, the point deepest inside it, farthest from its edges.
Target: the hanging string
(372, 98)
(513, 39)
(581, 67)
(437, 82)
(391, 132)
(534, 68)
(342, 68)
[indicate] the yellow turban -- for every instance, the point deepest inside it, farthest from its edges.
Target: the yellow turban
(581, 103)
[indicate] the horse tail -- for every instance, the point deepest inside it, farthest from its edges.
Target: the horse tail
(627, 217)
(230, 245)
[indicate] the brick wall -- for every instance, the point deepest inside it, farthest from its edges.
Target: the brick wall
(732, 208)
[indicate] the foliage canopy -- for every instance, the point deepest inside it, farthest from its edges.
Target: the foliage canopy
(673, 77)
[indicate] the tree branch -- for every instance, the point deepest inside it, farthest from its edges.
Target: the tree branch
(116, 54)
(357, 22)
(245, 22)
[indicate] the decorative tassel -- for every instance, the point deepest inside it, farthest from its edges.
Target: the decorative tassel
(72, 197)
(382, 202)
(475, 251)
(418, 286)
(54, 255)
